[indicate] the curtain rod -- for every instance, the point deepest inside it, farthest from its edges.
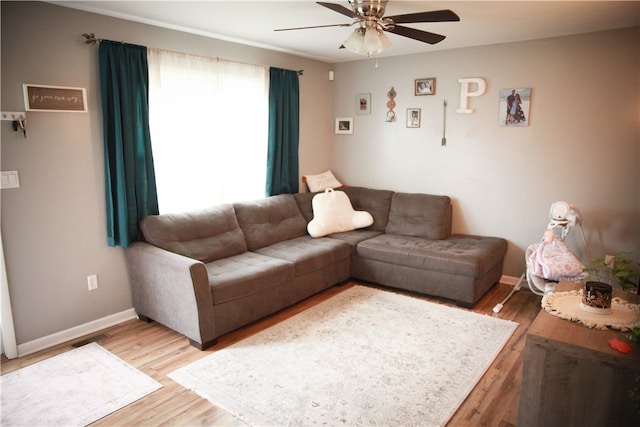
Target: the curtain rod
(90, 38)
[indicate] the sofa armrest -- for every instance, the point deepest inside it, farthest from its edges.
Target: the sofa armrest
(173, 290)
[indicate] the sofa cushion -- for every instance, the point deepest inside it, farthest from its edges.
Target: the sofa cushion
(205, 235)
(270, 220)
(464, 255)
(321, 181)
(304, 201)
(246, 274)
(309, 254)
(355, 236)
(420, 215)
(376, 202)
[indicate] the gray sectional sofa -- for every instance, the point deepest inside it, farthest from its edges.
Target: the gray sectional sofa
(206, 273)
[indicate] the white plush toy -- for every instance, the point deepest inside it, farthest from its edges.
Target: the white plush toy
(333, 213)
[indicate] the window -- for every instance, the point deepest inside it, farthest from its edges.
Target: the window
(209, 129)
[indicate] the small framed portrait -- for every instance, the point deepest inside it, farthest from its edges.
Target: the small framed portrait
(363, 103)
(413, 117)
(426, 86)
(515, 104)
(344, 125)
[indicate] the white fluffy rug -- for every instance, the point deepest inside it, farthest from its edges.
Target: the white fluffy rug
(364, 357)
(74, 388)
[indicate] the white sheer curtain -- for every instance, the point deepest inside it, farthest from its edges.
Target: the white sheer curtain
(209, 129)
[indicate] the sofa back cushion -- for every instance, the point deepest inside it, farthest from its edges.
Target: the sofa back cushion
(376, 202)
(205, 235)
(270, 220)
(305, 201)
(420, 215)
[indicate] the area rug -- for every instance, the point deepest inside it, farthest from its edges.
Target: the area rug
(365, 357)
(74, 388)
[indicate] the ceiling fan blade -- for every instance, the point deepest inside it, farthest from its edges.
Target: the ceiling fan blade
(338, 8)
(444, 15)
(412, 33)
(314, 26)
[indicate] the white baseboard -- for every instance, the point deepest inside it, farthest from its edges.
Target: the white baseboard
(75, 332)
(509, 280)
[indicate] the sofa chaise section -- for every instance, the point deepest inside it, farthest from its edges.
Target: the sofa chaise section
(413, 248)
(461, 268)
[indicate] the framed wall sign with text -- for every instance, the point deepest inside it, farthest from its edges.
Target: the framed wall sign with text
(54, 98)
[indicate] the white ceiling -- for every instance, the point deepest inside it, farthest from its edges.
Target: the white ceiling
(481, 22)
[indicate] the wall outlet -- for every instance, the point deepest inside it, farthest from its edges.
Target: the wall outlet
(92, 282)
(10, 179)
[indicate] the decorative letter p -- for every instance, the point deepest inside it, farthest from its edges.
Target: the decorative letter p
(465, 93)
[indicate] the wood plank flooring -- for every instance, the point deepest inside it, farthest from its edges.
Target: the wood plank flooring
(157, 351)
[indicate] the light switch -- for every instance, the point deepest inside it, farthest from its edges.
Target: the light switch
(10, 179)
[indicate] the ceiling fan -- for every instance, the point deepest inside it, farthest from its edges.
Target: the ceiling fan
(369, 36)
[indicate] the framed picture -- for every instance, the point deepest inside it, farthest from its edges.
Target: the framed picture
(413, 117)
(515, 104)
(344, 125)
(54, 98)
(426, 86)
(363, 103)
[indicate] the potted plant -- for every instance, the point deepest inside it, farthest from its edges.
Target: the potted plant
(601, 276)
(614, 270)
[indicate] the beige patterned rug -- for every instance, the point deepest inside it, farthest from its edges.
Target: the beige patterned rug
(74, 388)
(364, 357)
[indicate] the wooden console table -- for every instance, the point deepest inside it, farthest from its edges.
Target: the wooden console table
(571, 377)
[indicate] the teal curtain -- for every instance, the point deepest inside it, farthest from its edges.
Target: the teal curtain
(129, 174)
(284, 124)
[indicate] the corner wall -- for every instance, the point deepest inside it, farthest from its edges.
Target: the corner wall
(582, 144)
(53, 226)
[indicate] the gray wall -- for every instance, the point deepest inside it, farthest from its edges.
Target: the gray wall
(582, 144)
(53, 226)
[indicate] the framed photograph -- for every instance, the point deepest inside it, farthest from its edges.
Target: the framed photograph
(515, 104)
(54, 98)
(426, 86)
(344, 125)
(413, 117)
(363, 103)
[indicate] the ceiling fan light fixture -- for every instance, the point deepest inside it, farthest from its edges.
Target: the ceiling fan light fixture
(355, 42)
(375, 41)
(372, 42)
(386, 43)
(367, 41)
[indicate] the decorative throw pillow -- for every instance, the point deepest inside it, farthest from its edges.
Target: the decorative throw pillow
(333, 213)
(321, 181)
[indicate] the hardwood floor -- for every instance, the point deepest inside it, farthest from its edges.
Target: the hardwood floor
(157, 351)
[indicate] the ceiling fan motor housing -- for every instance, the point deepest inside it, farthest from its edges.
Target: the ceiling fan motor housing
(369, 8)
